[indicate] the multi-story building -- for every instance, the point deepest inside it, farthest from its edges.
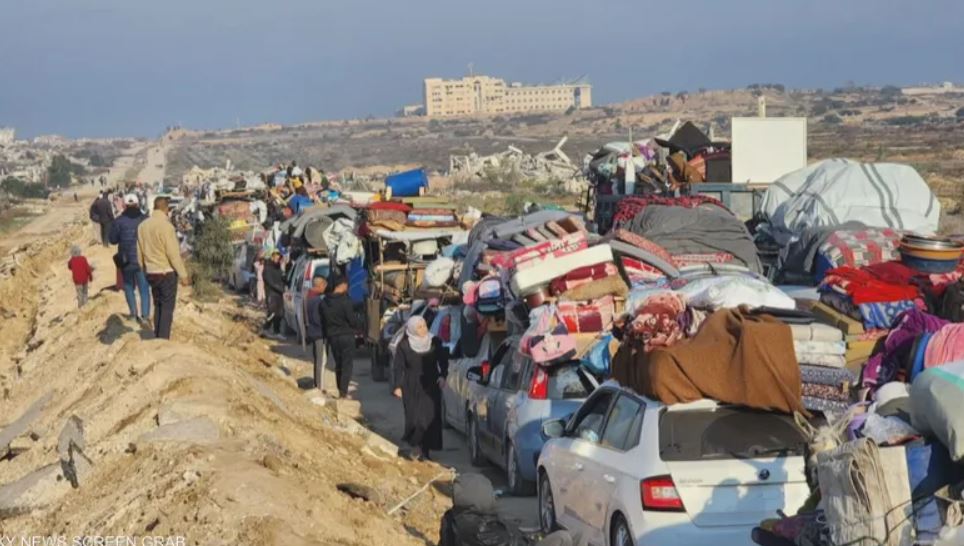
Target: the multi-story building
(7, 136)
(486, 95)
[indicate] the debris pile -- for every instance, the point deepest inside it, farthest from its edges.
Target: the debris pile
(514, 166)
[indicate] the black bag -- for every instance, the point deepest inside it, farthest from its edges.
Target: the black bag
(463, 527)
(120, 261)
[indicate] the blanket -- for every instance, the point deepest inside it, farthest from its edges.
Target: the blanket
(734, 358)
(688, 231)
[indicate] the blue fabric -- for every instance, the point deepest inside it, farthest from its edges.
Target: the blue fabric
(357, 280)
(918, 367)
(882, 315)
(820, 268)
(598, 360)
(929, 468)
(299, 203)
(123, 232)
(135, 277)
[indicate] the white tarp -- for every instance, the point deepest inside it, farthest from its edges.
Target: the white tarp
(836, 191)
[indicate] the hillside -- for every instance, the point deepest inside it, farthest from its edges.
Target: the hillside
(206, 437)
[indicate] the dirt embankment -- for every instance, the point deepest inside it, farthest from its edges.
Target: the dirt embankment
(205, 437)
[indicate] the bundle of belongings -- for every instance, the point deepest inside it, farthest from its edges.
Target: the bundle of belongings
(693, 230)
(686, 156)
(401, 216)
(843, 213)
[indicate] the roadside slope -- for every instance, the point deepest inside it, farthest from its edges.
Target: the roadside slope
(205, 436)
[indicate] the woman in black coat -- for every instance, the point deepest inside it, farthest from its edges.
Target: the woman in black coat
(421, 366)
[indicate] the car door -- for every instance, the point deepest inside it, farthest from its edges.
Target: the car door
(488, 398)
(608, 463)
(586, 432)
(503, 409)
(292, 284)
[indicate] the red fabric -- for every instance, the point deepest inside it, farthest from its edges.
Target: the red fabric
(81, 270)
(873, 284)
(581, 276)
(639, 241)
(629, 207)
(390, 205)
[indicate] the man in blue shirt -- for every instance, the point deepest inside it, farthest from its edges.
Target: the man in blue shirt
(315, 329)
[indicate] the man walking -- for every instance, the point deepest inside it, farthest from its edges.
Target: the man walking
(124, 234)
(160, 259)
(341, 324)
(102, 213)
(274, 283)
(315, 329)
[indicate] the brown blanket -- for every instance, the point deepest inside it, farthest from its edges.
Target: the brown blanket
(735, 358)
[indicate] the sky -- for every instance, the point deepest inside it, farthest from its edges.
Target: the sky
(104, 68)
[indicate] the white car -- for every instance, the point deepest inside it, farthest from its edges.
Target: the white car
(242, 273)
(625, 470)
(298, 283)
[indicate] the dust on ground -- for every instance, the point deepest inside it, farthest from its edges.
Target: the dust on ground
(207, 436)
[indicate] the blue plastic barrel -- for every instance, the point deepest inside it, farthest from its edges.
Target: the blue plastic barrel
(408, 183)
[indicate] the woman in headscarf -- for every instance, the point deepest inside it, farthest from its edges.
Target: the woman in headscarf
(421, 366)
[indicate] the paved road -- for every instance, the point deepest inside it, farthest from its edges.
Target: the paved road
(383, 414)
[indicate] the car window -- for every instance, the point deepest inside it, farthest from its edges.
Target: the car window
(495, 378)
(727, 433)
(624, 417)
(321, 270)
(515, 369)
(566, 382)
(589, 422)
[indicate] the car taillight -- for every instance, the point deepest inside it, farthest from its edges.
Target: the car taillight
(659, 494)
(539, 389)
(486, 368)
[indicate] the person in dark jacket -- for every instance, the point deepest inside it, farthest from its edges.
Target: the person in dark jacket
(341, 323)
(102, 213)
(421, 366)
(274, 283)
(315, 329)
(123, 233)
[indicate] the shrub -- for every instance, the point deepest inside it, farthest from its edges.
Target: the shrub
(213, 252)
(19, 188)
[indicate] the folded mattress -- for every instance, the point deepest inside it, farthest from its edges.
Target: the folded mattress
(524, 282)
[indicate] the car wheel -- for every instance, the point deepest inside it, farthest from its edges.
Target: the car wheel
(518, 485)
(547, 505)
(475, 453)
(620, 532)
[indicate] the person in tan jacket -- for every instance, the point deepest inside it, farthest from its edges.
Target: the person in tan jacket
(160, 257)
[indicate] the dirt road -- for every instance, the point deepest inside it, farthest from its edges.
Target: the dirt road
(383, 413)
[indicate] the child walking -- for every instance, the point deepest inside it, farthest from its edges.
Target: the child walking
(82, 272)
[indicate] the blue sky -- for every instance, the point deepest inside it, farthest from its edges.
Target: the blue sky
(132, 67)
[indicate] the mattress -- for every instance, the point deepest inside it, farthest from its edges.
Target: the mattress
(524, 282)
(815, 332)
(838, 348)
(645, 256)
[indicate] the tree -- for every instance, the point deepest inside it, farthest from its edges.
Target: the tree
(891, 91)
(832, 119)
(61, 170)
(19, 188)
(960, 113)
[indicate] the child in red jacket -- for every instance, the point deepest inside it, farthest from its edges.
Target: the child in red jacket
(83, 273)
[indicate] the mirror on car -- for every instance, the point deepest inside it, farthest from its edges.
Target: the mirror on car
(474, 374)
(589, 435)
(555, 428)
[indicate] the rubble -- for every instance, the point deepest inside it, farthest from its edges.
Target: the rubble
(70, 447)
(515, 165)
(23, 423)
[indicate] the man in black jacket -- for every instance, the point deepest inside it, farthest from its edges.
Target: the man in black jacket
(102, 213)
(315, 329)
(341, 323)
(274, 285)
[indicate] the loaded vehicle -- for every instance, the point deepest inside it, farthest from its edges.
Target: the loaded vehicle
(509, 405)
(625, 470)
(242, 276)
(457, 394)
(297, 284)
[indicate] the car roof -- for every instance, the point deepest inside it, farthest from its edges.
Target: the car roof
(704, 404)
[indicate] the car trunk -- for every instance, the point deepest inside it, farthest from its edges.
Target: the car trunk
(734, 466)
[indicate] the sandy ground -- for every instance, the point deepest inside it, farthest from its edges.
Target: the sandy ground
(207, 437)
